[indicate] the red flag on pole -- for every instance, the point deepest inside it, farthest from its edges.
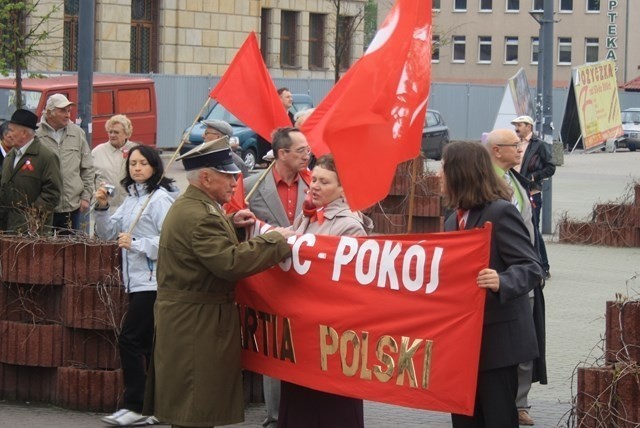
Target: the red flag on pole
(247, 91)
(374, 120)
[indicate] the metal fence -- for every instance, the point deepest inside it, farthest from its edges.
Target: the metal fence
(469, 110)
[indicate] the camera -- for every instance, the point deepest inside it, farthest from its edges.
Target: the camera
(109, 188)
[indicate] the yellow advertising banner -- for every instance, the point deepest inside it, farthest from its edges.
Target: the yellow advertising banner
(596, 91)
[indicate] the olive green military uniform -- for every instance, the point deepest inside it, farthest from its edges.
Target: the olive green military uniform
(195, 377)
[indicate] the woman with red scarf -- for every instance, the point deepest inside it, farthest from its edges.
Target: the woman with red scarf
(325, 212)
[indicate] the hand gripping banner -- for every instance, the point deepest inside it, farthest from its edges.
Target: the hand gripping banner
(394, 319)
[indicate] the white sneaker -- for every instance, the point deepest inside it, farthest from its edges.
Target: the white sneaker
(124, 417)
(152, 420)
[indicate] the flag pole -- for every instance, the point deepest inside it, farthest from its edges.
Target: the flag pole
(260, 180)
(412, 192)
(184, 139)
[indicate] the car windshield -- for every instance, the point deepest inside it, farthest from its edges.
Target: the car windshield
(631, 117)
(221, 113)
(30, 100)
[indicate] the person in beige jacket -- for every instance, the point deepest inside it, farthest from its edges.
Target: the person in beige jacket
(68, 141)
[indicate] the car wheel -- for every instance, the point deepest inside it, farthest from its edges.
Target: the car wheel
(249, 157)
(632, 147)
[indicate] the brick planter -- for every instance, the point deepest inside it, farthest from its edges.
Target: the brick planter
(608, 396)
(593, 405)
(93, 306)
(92, 349)
(30, 344)
(30, 303)
(24, 383)
(31, 261)
(92, 263)
(622, 335)
(571, 232)
(389, 224)
(92, 390)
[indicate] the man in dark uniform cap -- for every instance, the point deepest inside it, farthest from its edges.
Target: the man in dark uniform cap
(31, 180)
(195, 376)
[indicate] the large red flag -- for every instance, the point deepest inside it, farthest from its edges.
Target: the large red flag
(247, 91)
(374, 120)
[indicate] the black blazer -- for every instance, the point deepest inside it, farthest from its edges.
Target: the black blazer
(508, 334)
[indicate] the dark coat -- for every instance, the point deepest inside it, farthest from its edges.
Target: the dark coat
(195, 378)
(508, 333)
(36, 182)
(537, 163)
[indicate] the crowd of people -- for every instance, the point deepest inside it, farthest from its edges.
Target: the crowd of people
(183, 255)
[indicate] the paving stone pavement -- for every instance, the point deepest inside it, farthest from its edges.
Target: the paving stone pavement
(583, 279)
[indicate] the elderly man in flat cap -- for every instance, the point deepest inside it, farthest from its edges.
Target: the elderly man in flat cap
(31, 180)
(216, 129)
(195, 377)
(68, 141)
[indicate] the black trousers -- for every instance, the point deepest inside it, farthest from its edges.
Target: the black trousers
(135, 342)
(495, 401)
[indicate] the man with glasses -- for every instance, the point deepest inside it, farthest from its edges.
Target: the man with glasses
(277, 200)
(536, 166)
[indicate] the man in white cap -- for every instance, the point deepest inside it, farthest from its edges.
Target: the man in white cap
(195, 375)
(68, 141)
(536, 166)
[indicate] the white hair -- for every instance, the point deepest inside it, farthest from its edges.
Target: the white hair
(194, 174)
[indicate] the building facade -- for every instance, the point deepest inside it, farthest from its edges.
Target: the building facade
(200, 37)
(488, 41)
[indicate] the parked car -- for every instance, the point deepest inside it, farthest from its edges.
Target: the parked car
(435, 135)
(631, 127)
(246, 139)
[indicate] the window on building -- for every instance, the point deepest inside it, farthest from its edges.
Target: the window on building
(511, 50)
(564, 50)
(144, 36)
(593, 5)
(486, 5)
(513, 5)
(484, 49)
(459, 48)
(592, 47)
(345, 32)
(316, 40)
(535, 50)
(459, 5)
(537, 5)
(436, 5)
(435, 48)
(265, 30)
(288, 38)
(566, 5)
(70, 35)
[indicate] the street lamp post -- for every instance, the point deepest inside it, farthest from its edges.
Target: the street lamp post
(544, 117)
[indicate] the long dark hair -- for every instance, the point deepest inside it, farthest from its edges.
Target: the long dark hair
(153, 157)
(471, 180)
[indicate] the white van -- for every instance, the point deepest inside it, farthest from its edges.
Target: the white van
(631, 128)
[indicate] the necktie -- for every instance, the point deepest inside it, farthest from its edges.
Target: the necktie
(460, 213)
(514, 197)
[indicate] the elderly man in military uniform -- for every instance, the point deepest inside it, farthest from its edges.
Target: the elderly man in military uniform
(31, 180)
(195, 376)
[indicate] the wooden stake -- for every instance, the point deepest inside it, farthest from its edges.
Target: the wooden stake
(412, 192)
(260, 180)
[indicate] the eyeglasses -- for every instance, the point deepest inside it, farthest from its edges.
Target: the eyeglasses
(301, 150)
(516, 145)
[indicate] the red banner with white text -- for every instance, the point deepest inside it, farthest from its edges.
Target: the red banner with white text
(394, 319)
